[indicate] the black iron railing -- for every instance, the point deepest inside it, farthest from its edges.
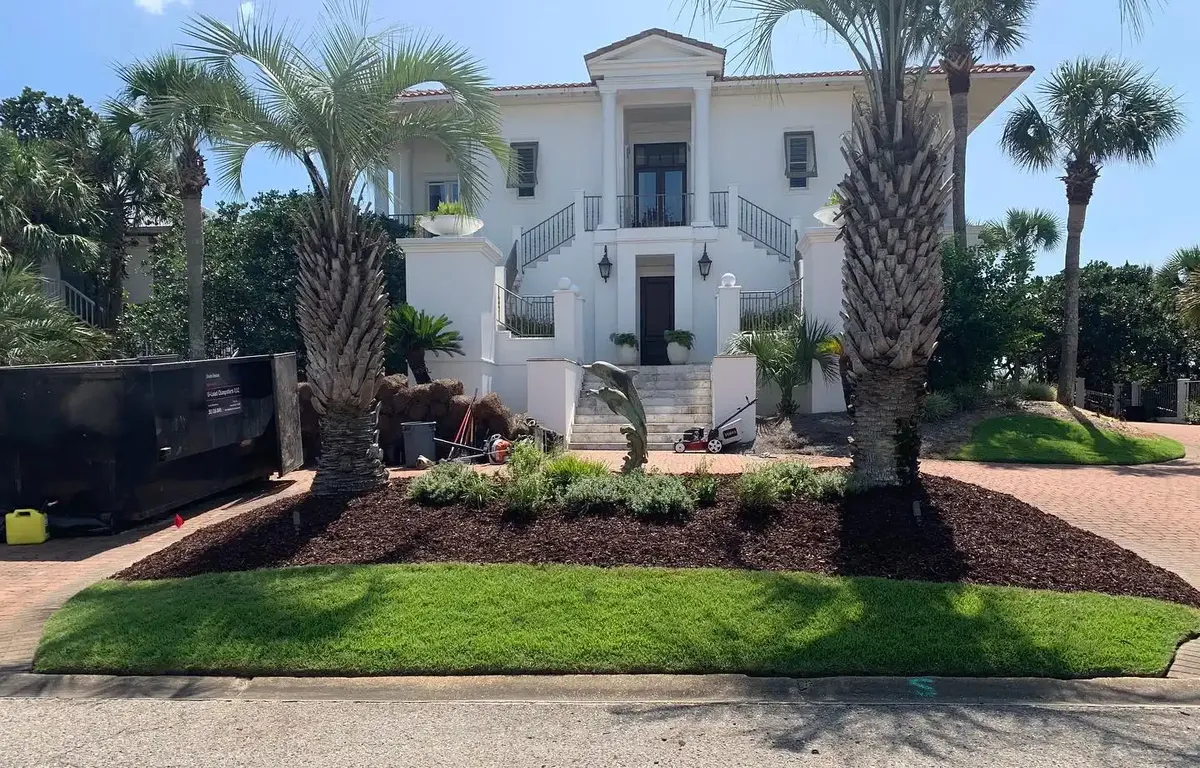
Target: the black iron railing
(593, 212)
(770, 310)
(765, 227)
(510, 268)
(552, 233)
(409, 226)
(666, 210)
(527, 316)
(1162, 400)
(720, 208)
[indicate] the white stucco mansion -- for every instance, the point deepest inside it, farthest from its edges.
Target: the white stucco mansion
(637, 191)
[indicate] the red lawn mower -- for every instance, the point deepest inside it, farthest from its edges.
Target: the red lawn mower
(714, 439)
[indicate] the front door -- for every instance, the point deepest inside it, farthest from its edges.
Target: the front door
(660, 179)
(658, 316)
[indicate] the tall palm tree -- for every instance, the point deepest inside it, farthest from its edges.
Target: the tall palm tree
(1022, 235)
(329, 100)
(1094, 112)
(412, 333)
(786, 355)
(893, 207)
(972, 29)
(148, 102)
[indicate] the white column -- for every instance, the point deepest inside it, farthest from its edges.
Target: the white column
(608, 159)
(625, 269)
(1080, 393)
(402, 180)
(701, 156)
(568, 321)
(1181, 398)
(729, 311)
(379, 185)
(685, 274)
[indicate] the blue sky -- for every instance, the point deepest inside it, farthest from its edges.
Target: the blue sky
(1139, 214)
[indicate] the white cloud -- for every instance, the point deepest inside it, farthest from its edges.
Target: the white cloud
(245, 11)
(157, 6)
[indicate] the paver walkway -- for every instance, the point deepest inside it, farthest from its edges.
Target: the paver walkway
(1152, 510)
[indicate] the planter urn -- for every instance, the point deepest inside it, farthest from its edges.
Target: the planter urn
(678, 354)
(450, 225)
(626, 355)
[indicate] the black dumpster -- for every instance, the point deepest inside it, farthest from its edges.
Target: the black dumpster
(99, 445)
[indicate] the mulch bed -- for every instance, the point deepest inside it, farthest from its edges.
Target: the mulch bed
(966, 534)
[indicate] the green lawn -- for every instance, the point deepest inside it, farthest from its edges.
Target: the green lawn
(509, 618)
(1045, 440)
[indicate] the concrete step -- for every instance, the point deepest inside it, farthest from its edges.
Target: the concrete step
(593, 407)
(668, 373)
(651, 418)
(623, 445)
(674, 431)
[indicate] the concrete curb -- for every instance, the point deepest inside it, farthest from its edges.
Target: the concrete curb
(600, 689)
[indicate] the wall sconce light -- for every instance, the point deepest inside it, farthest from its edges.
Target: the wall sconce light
(605, 265)
(705, 263)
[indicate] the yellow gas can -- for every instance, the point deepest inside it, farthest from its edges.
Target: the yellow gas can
(25, 526)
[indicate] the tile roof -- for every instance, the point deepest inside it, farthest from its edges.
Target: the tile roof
(980, 69)
(650, 33)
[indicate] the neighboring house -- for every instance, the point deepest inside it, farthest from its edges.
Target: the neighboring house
(668, 169)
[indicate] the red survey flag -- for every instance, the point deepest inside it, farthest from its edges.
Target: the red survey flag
(178, 521)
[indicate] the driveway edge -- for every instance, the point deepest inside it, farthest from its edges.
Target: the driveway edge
(601, 689)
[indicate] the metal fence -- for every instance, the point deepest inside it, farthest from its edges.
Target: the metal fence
(770, 310)
(408, 226)
(593, 212)
(720, 208)
(1192, 399)
(1102, 402)
(1161, 401)
(667, 210)
(526, 316)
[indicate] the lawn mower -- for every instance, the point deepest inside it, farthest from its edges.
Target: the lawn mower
(714, 439)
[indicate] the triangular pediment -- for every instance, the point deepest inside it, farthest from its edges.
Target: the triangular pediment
(655, 49)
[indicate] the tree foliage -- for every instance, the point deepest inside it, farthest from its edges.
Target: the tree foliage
(412, 333)
(36, 328)
(786, 355)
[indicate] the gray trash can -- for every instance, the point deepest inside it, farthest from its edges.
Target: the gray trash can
(418, 441)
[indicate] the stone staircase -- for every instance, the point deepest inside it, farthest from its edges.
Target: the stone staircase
(676, 397)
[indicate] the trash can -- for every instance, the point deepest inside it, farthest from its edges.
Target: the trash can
(418, 441)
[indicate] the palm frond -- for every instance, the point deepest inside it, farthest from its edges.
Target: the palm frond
(1189, 299)
(1179, 266)
(35, 328)
(1029, 139)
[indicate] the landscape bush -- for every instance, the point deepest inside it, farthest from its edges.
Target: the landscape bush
(449, 483)
(655, 495)
(703, 486)
(525, 459)
(595, 494)
(758, 490)
(968, 397)
(830, 486)
(526, 494)
(939, 406)
(566, 469)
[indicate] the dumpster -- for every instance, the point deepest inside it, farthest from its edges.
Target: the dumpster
(418, 441)
(102, 445)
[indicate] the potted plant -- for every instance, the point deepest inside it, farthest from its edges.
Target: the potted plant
(679, 346)
(828, 213)
(450, 220)
(627, 347)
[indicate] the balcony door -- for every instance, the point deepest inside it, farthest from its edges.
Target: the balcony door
(660, 185)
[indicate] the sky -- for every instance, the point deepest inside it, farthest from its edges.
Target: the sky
(1139, 214)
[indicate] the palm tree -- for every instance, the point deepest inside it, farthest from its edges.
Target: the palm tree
(329, 100)
(1181, 273)
(1135, 12)
(974, 28)
(893, 207)
(35, 328)
(148, 102)
(1095, 111)
(412, 333)
(1189, 299)
(786, 355)
(1021, 236)
(43, 205)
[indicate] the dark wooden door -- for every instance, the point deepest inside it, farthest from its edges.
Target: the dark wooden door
(658, 316)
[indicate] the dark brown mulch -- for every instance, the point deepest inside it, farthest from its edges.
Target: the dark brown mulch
(966, 533)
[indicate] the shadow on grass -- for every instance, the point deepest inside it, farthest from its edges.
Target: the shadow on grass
(1046, 440)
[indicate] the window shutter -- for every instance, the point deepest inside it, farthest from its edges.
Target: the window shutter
(800, 155)
(522, 166)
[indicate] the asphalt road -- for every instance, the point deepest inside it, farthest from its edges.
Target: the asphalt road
(134, 733)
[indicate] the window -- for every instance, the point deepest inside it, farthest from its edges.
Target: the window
(441, 192)
(522, 170)
(800, 158)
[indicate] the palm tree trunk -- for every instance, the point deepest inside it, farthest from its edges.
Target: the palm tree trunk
(1069, 363)
(959, 113)
(894, 210)
(114, 284)
(417, 367)
(193, 235)
(341, 312)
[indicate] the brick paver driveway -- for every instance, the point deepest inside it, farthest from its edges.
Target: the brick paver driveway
(1152, 510)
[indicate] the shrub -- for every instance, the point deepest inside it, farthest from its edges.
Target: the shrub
(792, 478)
(594, 494)
(624, 339)
(938, 406)
(449, 483)
(525, 459)
(968, 397)
(653, 495)
(684, 339)
(758, 490)
(526, 494)
(1192, 415)
(831, 485)
(703, 486)
(566, 469)
(1038, 392)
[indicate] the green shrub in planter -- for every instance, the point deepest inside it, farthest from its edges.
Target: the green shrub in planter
(450, 483)
(654, 495)
(758, 490)
(566, 469)
(938, 407)
(685, 339)
(624, 339)
(595, 494)
(450, 208)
